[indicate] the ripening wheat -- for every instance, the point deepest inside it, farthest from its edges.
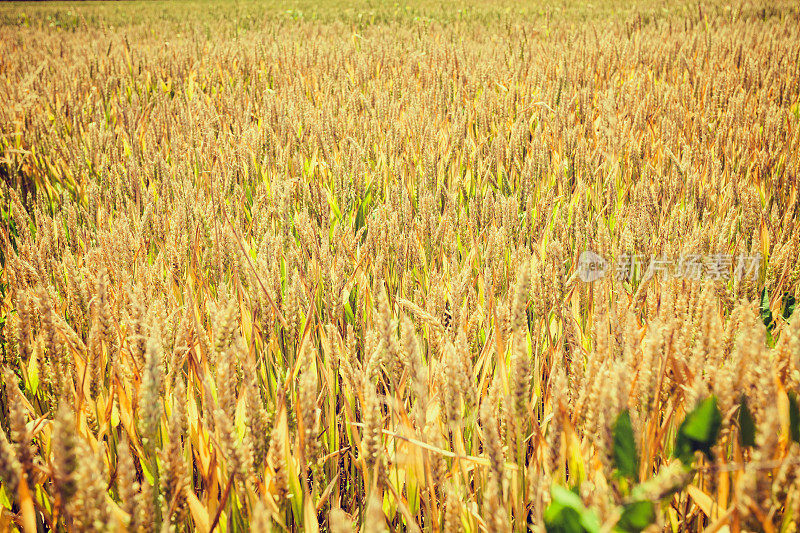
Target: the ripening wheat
(321, 269)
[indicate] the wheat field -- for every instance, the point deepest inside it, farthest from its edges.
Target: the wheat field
(417, 266)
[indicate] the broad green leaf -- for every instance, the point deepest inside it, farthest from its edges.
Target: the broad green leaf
(566, 513)
(747, 425)
(636, 516)
(626, 457)
(699, 431)
(789, 306)
(562, 518)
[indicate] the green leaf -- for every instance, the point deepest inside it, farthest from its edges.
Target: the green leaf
(148, 472)
(33, 374)
(337, 213)
(636, 516)
(794, 417)
(703, 423)
(766, 312)
(566, 513)
(789, 306)
(699, 431)
(348, 313)
(559, 519)
(625, 455)
(590, 522)
(747, 425)
(4, 500)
